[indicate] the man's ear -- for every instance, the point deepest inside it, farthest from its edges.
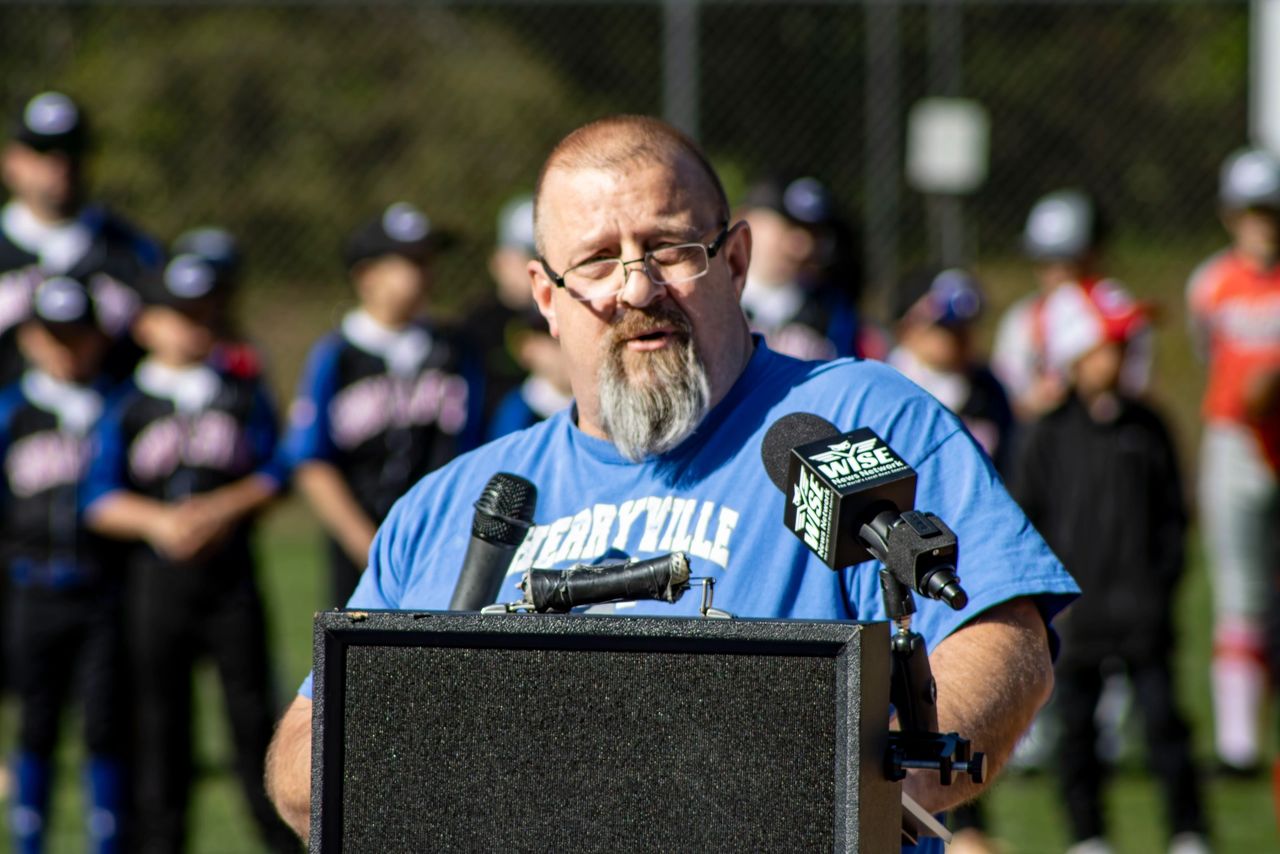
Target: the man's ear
(544, 294)
(737, 254)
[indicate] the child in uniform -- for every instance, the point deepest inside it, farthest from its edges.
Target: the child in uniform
(384, 399)
(1098, 477)
(63, 618)
(184, 459)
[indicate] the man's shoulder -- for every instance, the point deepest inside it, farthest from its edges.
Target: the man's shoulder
(812, 375)
(853, 393)
(518, 453)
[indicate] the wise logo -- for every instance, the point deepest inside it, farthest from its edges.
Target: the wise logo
(813, 502)
(848, 463)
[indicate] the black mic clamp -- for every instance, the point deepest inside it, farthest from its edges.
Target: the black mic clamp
(921, 551)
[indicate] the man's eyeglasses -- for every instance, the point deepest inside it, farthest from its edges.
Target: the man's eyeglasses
(601, 278)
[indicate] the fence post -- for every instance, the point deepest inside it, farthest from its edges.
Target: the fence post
(882, 160)
(680, 84)
(1264, 74)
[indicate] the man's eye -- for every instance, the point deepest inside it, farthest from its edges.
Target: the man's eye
(676, 253)
(600, 268)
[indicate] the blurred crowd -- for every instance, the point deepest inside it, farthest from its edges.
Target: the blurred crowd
(140, 439)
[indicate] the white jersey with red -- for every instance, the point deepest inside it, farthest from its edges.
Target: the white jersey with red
(1020, 358)
(1234, 308)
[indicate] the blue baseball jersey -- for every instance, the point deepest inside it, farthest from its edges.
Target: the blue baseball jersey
(712, 498)
(384, 428)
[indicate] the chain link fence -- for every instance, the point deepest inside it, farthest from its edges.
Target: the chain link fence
(290, 122)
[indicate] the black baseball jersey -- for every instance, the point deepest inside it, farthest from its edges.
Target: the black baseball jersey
(44, 444)
(385, 408)
(98, 248)
(173, 434)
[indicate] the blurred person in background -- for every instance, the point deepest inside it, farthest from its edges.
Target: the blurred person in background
(48, 228)
(1234, 306)
(507, 309)
(803, 285)
(184, 459)
(935, 311)
(1098, 477)
(1064, 237)
(64, 617)
(545, 390)
(217, 247)
(384, 399)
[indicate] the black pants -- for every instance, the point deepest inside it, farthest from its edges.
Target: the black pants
(63, 642)
(1082, 773)
(177, 614)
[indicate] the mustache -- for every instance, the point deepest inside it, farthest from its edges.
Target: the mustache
(641, 321)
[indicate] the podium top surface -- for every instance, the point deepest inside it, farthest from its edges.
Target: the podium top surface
(571, 626)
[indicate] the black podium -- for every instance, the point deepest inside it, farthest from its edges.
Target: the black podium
(524, 732)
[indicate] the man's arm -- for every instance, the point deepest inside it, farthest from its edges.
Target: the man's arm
(333, 502)
(993, 675)
(289, 767)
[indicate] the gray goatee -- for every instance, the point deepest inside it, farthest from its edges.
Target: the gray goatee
(654, 403)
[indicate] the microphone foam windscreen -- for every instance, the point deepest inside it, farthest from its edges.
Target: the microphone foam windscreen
(797, 428)
(507, 501)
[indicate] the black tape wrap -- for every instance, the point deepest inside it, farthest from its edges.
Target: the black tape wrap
(665, 578)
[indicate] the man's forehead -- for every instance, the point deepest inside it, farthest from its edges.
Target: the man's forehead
(673, 194)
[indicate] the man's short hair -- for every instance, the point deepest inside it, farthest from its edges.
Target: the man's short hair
(616, 141)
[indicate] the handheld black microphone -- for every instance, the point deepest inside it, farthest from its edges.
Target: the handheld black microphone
(850, 498)
(504, 514)
(665, 577)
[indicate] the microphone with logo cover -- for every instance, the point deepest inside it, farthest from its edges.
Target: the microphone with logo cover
(850, 498)
(504, 514)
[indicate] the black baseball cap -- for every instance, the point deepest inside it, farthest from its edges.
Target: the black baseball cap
(938, 296)
(805, 201)
(402, 229)
(64, 304)
(188, 283)
(51, 121)
(216, 246)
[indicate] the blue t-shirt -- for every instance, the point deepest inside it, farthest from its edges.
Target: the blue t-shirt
(711, 498)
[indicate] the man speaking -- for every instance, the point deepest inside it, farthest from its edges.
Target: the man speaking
(639, 278)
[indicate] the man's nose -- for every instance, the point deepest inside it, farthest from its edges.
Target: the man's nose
(638, 289)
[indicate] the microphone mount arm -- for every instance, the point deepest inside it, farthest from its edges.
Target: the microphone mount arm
(918, 552)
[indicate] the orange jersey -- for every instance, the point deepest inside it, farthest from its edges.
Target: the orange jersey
(1235, 307)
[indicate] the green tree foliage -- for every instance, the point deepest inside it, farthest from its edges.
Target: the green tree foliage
(289, 125)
